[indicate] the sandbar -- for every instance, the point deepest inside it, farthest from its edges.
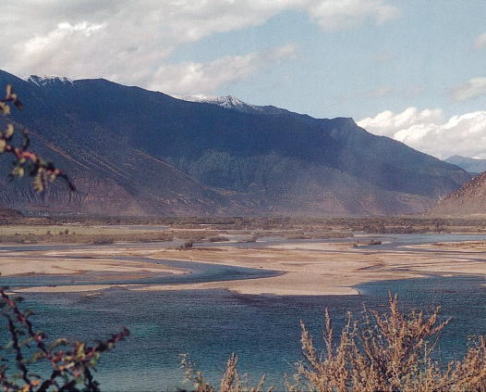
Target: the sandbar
(317, 268)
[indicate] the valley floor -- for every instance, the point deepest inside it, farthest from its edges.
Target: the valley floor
(301, 266)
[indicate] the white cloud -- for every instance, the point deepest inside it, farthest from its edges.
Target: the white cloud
(473, 88)
(480, 41)
(50, 52)
(379, 92)
(205, 78)
(388, 123)
(338, 14)
(131, 41)
(428, 131)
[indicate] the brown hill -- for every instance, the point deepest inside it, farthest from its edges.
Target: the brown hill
(470, 199)
(7, 213)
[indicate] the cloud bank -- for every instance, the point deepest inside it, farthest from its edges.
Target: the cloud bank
(428, 131)
(185, 78)
(131, 41)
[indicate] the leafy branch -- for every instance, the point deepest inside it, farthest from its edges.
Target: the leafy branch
(26, 162)
(71, 368)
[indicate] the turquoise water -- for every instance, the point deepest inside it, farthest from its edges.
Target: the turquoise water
(197, 272)
(209, 325)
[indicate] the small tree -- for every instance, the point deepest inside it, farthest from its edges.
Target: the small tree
(70, 363)
(17, 142)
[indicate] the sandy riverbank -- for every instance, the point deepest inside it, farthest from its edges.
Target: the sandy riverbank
(77, 263)
(306, 268)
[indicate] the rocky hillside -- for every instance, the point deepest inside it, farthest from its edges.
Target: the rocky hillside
(470, 199)
(138, 152)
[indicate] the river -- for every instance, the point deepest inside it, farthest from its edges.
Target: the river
(262, 330)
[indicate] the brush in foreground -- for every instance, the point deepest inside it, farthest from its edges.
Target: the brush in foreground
(67, 365)
(389, 351)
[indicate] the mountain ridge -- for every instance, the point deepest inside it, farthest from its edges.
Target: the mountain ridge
(167, 156)
(472, 165)
(232, 103)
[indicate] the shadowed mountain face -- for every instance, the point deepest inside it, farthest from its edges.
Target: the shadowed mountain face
(133, 151)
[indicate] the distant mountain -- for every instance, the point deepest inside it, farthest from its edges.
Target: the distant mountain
(133, 151)
(471, 165)
(470, 199)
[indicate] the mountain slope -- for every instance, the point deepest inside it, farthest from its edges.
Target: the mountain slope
(112, 177)
(233, 103)
(140, 152)
(470, 199)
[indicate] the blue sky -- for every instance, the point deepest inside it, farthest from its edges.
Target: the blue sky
(417, 59)
(414, 70)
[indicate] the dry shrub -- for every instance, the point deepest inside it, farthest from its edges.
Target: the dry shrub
(231, 381)
(68, 365)
(387, 352)
(218, 238)
(186, 245)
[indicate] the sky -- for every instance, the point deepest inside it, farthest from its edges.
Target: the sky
(413, 70)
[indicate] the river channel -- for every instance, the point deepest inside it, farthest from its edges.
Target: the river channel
(211, 324)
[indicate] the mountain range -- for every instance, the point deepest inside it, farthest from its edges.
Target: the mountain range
(132, 151)
(471, 165)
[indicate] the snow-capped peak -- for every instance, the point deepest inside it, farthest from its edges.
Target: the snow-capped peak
(47, 80)
(233, 103)
(227, 101)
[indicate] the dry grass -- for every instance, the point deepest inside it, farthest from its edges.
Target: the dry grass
(388, 351)
(22, 234)
(78, 234)
(72, 237)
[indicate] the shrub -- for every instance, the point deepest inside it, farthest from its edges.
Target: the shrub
(186, 245)
(218, 238)
(231, 381)
(388, 351)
